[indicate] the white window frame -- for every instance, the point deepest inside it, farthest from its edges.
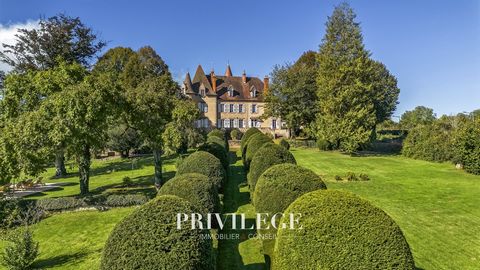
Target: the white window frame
(226, 123)
(254, 108)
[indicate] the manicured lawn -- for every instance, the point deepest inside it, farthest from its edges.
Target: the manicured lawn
(106, 175)
(435, 205)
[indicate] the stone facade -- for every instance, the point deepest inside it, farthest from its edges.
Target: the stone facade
(229, 102)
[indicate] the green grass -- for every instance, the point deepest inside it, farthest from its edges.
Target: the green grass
(107, 175)
(436, 206)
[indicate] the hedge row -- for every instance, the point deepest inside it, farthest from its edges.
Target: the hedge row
(340, 230)
(253, 145)
(204, 163)
(268, 155)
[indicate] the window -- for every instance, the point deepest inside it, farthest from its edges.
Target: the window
(240, 108)
(253, 92)
(235, 123)
(226, 123)
(203, 107)
(254, 108)
(230, 91)
(232, 108)
(202, 92)
(240, 123)
(274, 123)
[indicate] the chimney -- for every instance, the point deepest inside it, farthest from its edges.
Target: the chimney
(244, 77)
(265, 85)
(228, 73)
(214, 81)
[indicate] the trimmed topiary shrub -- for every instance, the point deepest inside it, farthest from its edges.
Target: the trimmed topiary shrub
(277, 188)
(246, 136)
(217, 140)
(236, 134)
(148, 239)
(217, 133)
(284, 144)
(204, 163)
(340, 231)
(254, 143)
(268, 155)
(218, 151)
(196, 188)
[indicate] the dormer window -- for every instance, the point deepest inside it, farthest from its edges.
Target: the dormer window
(202, 90)
(230, 91)
(253, 92)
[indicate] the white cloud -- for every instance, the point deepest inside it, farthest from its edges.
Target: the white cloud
(7, 35)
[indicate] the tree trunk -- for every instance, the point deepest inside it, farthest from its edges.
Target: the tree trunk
(60, 170)
(84, 169)
(157, 161)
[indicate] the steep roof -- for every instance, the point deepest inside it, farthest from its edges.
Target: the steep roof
(242, 91)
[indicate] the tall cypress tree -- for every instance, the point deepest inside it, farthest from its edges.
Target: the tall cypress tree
(348, 85)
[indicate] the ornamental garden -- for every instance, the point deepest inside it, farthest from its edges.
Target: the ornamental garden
(348, 189)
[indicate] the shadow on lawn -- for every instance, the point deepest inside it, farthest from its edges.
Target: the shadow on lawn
(58, 260)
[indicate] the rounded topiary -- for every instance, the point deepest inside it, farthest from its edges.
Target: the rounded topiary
(215, 139)
(218, 151)
(217, 133)
(195, 188)
(236, 134)
(285, 144)
(148, 238)
(246, 136)
(277, 188)
(268, 155)
(340, 231)
(204, 163)
(254, 143)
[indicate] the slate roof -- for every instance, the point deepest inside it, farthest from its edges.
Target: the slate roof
(242, 91)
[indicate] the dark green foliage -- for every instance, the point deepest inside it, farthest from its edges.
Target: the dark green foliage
(123, 139)
(340, 231)
(59, 204)
(216, 139)
(254, 143)
(127, 181)
(292, 95)
(363, 177)
(10, 211)
(351, 176)
(354, 91)
(148, 239)
(278, 187)
(338, 178)
(246, 136)
(217, 150)
(467, 146)
(284, 143)
(217, 133)
(419, 116)
(195, 188)
(236, 134)
(125, 200)
(323, 145)
(179, 160)
(21, 251)
(267, 156)
(432, 142)
(204, 163)
(58, 38)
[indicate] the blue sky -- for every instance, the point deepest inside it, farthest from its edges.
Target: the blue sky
(432, 47)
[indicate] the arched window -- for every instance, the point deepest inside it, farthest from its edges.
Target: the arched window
(230, 91)
(253, 92)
